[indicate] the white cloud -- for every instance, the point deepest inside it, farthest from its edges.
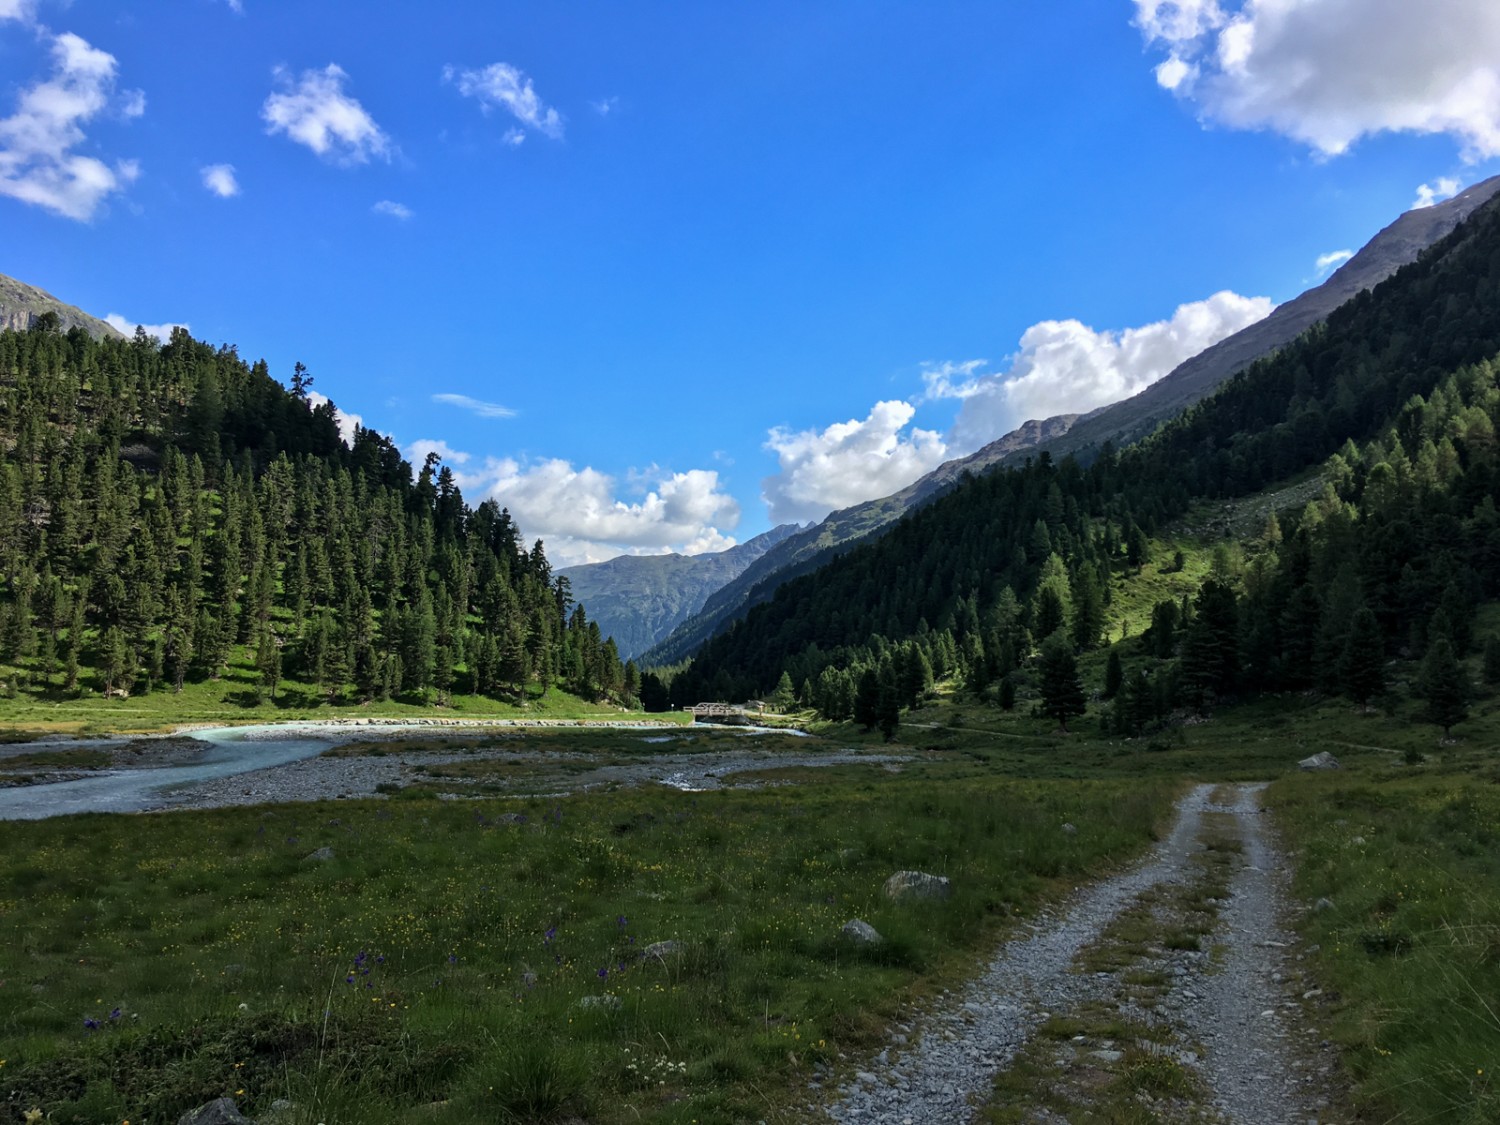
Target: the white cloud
(418, 450)
(126, 327)
(236, 7)
(316, 112)
(37, 164)
(1446, 187)
(514, 136)
(346, 421)
(580, 517)
(847, 463)
(23, 10)
(1328, 72)
(605, 106)
(394, 210)
(1066, 367)
(475, 406)
(1332, 260)
(501, 84)
(220, 179)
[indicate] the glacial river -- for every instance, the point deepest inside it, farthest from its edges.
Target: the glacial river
(237, 750)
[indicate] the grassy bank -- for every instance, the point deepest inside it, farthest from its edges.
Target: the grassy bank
(1406, 861)
(440, 966)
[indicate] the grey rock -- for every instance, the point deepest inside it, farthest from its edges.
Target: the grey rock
(607, 1002)
(221, 1111)
(661, 950)
(1322, 760)
(917, 885)
(322, 855)
(1070, 829)
(860, 932)
(1323, 904)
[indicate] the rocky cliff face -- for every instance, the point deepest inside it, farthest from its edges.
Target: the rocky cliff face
(21, 304)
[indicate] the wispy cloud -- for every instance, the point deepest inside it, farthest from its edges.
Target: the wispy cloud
(605, 106)
(38, 164)
(502, 85)
(220, 179)
(23, 10)
(475, 406)
(126, 327)
(393, 209)
(1444, 187)
(314, 110)
(1332, 260)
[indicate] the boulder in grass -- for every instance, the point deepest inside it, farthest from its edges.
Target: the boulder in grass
(917, 885)
(322, 855)
(1322, 760)
(220, 1111)
(860, 932)
(661, 950)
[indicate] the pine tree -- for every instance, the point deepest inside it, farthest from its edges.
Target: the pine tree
(1444, 686)
(1114, 674)
(1362, 665)
(1062, 690)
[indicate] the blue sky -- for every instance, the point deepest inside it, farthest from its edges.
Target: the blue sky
(661, 275)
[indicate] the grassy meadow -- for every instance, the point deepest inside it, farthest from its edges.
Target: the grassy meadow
(478, 960)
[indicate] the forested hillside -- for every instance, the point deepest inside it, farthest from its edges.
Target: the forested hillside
(1006, 578)
(171, 508)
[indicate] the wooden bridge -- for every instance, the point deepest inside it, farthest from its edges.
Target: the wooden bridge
(716, 713)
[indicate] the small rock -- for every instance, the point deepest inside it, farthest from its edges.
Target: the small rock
(860, 932)
(1070, 829)
(608, 1002)
(1322, 760)
(866, 1077)
(1108, 1056)
(661, 950)
(221, 1111)
(322, 855)
(1323, 904)
(917, 884)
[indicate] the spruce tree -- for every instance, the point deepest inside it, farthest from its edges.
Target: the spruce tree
(1062, 690)
(1444, 686)
(1362, 665)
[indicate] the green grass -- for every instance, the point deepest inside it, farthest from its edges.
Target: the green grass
(235, 699)
(224, 956)
(1410, 948)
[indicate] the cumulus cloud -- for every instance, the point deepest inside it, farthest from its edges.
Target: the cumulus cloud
(502, 85)
(1445, 187)
(220, 179)
(1328, 72)
(581, 518)
(475, 406)
(1332, 260)
(393, 209)
(23, 10)
(37, 161)
(346, 422)
(314, 110)
(417, 452)
(127, 327)
(1066, 367)
(847, 463)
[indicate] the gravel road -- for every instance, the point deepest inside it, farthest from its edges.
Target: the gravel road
(1235, 1013)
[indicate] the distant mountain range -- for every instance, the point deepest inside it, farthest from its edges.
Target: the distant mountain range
(21, 304)
(1081, 434)
(639, 599)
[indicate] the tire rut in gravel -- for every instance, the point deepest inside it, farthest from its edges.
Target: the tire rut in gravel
(966, 1042)
(1217, 1035)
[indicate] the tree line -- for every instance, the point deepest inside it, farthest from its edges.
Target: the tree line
(173, 508)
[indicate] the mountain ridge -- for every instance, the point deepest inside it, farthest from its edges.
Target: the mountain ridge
(639, 599)
(1398, 243)
(21, 304)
